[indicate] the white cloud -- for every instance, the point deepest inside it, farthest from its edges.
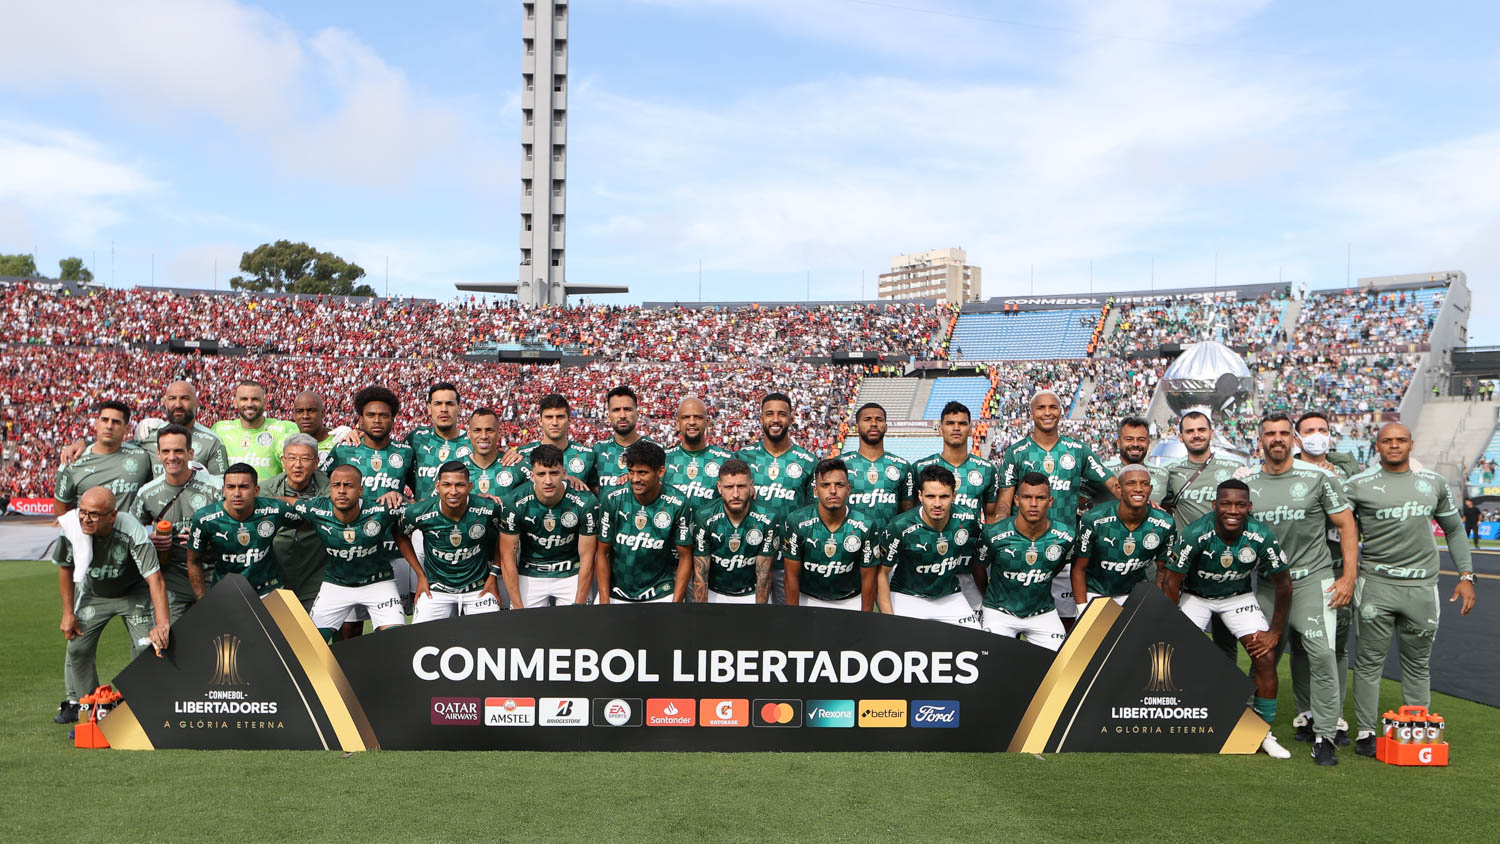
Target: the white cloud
(61, 183)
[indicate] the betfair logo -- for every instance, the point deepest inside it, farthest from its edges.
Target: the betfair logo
(882, 713)
(227, 661)
(1161, 668)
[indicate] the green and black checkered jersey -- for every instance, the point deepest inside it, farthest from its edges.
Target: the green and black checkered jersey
(1119, 558)
(1297, 504)
(1213, 568)
(925, 561)
(578, 462)
(225, 545)
(122, 472)
(1021, 569)
(643, 540)
(878, 488)
(609, 463)
(695, 474)
(122, 560)
(1068, 465)
(432, 451)
(382, 470)
(1395, 512)
(731, 548)
(357, 551)
(1190, 492)
(160, 501)
(487, 480)
(978, 482)
(831, 560)
(208, 449)
(1158, 475)
(456, 553)
(547, 537)
(782, 483)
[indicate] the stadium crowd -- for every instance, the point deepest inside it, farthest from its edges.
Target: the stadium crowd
(1253, 323)
(1365, 317)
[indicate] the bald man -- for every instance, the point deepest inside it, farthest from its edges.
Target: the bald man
(179, 404)
(1396, 594)
(309, 417)
(693, 464)
(124, 579)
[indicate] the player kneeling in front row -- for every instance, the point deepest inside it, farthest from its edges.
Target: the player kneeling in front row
(830, 558)
(924, 550)
(734, 542)
(1122, 543)
(455, 571)
(353, 532)
(1024, 552)
(547, 537)
(1210, 574)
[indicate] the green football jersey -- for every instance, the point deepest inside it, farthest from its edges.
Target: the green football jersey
(207, 449)
(695, 474)
(1119, 558)
(123, 472)
(1021, 569)
(432, 451)
(1158, 476)
(977, 482)
(160, 501)
(356, 550)
(1213, 568)
(487, 480)
(547, 537)
(782, 484)
(122, 560)
(578, 462)
(878, 488)
(831, 559)
(1395, 512)
(609, 464)
(258, 447)
(1297, 504)
(924, 560)
(731, 548)
(643, 540)
(1191, 487)
(456, 553)
(382, 470)
(225, 545)
(1068, 465)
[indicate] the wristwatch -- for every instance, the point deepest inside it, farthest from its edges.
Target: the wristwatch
(1468, 575)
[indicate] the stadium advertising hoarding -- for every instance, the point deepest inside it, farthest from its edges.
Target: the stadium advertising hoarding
(687, 677)
(31, 506)
(1122, 297)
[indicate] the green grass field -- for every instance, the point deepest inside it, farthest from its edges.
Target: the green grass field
(51, 791)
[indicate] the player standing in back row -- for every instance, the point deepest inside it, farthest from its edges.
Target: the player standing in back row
(881, 484)
(976, 485)
(781, 471)
(620, 408)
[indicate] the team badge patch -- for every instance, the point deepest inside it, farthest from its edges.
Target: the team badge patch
(132, 464)
(851, 543)
(872, 476)
(662, 520)
(942, 546)
(620, 461)
(1222, 475)
(830, 547)
(1299, 489)
(570, 519)
(1151, 541)
(976, 478)
(692, 471)
(1048, 464)
(476, 531)
(1247, 555)
(484, 484)
(754, 536)
(711, 470)
(893, 473)
(372, 529)
(1424, 487)
(734, 544)
(443, 453)
(376, 464)
(455, 538)
(464, 451)
(794, 471)
(198, 502)
(1226, 559)
(244, 537)
(575, 465)
(397, 461)
(1031, 556)
(506, 478)
(265, 529)
(1054, 552)
(774, 472)
(549, 522)
(1067, 461)
(263, 439)
(640, 520)
(961, 536)
(1129, 546)
(349, 535)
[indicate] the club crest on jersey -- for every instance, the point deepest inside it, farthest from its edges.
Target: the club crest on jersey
(942, 546)
(711, 470)
(376, 464)
(506, 479)
(662, 520)
(851, 543)
(1222, 475)
(455, 538)
(1054, 552)
(754, 536)
(734, 544)
(464, 451)
(1048, 464)
(443, 453)
(640, 520)
(575, 465)
(1247, 554)
(893, 473)
(1299, 489)
(830, 547)
(1226, 559)
(1031, 556)
(476, 531)
(132, 464)
(1151, 541)
(1424, 487)
(349, 535)
(1067, 461)
(372, 529)
(873, 476)
(975, 478)
(774, 472)
(396, 461)
(569, 519)
(198, 502)
(794, 471)
(244, 537)
(549, 522)
(263, 439)
(265, 529)
(961, 536)
(692, 470)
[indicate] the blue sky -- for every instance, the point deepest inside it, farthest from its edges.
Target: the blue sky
(769, 139)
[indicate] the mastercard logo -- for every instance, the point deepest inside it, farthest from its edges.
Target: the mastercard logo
(777, 713)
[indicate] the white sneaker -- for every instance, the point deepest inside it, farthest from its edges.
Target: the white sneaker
(1343, 725)
(1302, 719)
(1273, 748)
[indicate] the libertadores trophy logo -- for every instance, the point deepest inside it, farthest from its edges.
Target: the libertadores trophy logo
(227, 661)
(1161, 668)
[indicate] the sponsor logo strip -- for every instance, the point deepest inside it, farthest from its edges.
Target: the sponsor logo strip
(510, 712)
(882, 713)
(563, 712)
(671, 712)
(617, 712)
(776, 712)
(830, 713)
(456, 710)
(723, 712)
(934, 713)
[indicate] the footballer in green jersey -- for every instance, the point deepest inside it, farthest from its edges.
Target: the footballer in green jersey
(693, 464)
(1397, 591)
(734, 541)
(555, 419)
(439, 441)
(251, 437)
(460, 532)
(830, 550)
(782, 472)
(620, 408)
(1193, 480)
(1209, 576)
(549, 537)
(645, 534)
(881, 485)
(1123, 543)
(1132, 445)
(1023, 554)
(111, 462)
(180, 407)
(924, 550)
(1067, 462)
(234, 536)
(173, 497)
(485, 464)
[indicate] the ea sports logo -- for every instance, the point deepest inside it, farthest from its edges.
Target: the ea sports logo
(617, 712)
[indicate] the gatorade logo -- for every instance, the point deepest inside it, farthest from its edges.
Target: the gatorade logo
(777, 712)
(671, 712)
(882, 713)
(1425, 756)
(723, 712)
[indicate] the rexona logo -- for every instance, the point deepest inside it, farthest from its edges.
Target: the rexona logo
(934, 713)
(777, 713)
(510, 712)
(563, 712)
(830, 713)
(617, 712)
(882, 713)
(671, 712)
(723, 712)
(455, 710)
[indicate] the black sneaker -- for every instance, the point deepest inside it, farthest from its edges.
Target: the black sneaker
(1303, 729)
(67, 712)
(1341, 738)
(1323, 752)
(1365, 746)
